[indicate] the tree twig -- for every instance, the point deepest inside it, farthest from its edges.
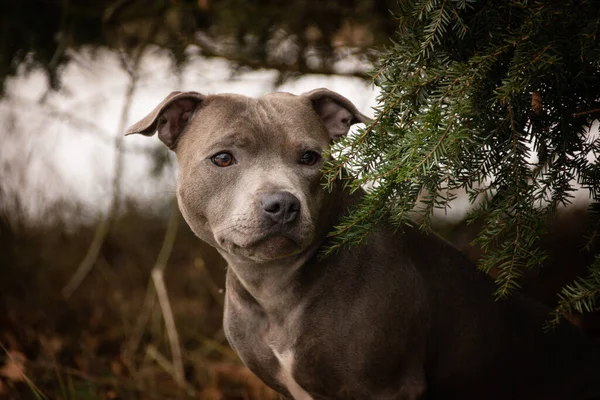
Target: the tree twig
(150, 299)
(159, 291)
(577, 114)
(140, 326)
(211, 50)
(91, 256)
(163, 299)
(210, 283)
(161, 360)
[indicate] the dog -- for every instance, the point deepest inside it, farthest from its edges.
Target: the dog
(404, 316)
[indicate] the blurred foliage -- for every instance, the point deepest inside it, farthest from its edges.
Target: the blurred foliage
(495, 99)
(297, 36)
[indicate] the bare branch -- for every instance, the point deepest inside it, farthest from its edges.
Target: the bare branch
(159, 291)
(102, 230)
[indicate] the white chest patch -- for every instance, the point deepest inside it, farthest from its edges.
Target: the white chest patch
(286, 363)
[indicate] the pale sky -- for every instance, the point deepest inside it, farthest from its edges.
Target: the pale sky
(63, 148)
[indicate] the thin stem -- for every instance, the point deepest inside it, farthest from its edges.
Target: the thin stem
(102, 229)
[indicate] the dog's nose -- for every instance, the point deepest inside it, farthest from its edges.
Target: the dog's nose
(281, 207)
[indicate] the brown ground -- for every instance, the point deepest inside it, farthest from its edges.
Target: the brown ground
(80, 348)
(77, 348)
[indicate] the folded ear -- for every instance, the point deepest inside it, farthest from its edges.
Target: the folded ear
(169, 118)
(337, 112)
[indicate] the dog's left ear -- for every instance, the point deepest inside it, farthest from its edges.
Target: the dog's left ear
(337, 112)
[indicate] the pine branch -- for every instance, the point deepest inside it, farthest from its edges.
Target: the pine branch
(583, 295)
(456, 112)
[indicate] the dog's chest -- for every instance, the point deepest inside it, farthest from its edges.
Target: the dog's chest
(286, 377)
(266, 346)
(281, 340)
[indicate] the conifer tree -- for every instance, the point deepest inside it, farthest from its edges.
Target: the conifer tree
(495, 99)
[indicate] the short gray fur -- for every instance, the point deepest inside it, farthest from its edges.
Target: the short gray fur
(404, 316)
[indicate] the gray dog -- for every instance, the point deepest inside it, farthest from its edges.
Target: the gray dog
(405, 316)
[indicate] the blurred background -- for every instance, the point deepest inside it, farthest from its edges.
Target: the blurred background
(104, 291)
(85, 216)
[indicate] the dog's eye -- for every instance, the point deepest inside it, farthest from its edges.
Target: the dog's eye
(223, 159)
(309, 158)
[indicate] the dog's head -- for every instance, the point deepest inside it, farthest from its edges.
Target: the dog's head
(249, 169)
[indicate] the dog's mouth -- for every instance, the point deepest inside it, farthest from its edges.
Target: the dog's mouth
(277, 246)
(267, 247)
(272, 247)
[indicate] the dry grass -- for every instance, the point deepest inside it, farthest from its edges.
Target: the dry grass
(80, 348)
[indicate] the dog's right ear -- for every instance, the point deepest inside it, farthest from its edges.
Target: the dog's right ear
(169, 118)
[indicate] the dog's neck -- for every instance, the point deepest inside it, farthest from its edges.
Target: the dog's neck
(271, 284)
